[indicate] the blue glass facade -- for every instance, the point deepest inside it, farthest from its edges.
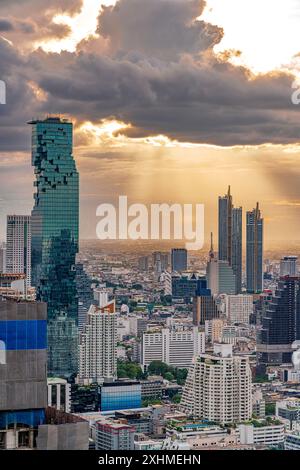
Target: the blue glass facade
(55, 223)
(23, 334)
(32, 418)
(121, 397)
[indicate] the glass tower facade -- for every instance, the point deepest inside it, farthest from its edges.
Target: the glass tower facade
(230, 236)
(254, 255)
(55, 225)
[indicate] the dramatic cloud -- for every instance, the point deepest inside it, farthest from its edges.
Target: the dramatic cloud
(159, 74)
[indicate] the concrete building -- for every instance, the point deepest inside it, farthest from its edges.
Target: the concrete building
(220, 277)
(120, 395)
(2, 258)
(23, 379)
(204, 305)
(114, 435)
(18, 246)
(262, 435)
(214, 330)
(59, 394)
(174, 347)
(292, 441)
(239, 308)
(218, 387)
(98, 345)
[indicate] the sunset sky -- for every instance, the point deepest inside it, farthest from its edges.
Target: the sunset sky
(172, 100)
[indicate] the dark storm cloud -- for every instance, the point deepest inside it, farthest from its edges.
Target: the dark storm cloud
(161, 28)
(6, 25)
(159, 73)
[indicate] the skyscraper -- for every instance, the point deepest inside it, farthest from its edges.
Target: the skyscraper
(254, 254)
(230, 236)
(18, 246)
(204, 305)
(280, 324)
(218, 387)
(179, 259)
(55, 221)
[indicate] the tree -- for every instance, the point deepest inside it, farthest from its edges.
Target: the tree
(169, 376)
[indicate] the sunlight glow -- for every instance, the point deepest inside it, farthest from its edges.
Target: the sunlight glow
(82, 25)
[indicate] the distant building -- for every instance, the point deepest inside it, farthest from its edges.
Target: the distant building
(254, 251)
(230, 237)
(265, 435)
(179, 259)
(288, 266)
(239, 308)
(204, 305)
(18, 246)
(218, 387)
(143, 263)
(220, 277)
(98, 345)
(280, 325)
(114, 435)
(185, 286)
(84, 293)
(175, 348)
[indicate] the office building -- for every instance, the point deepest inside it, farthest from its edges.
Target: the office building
(62, 347)
(263, 435)
(98, 345)
(120, 395)
(185, 286)
(280, 325)
(143, 263)
(18, 246)
(160, 261)
(204, 305)
(23, 379)
(55, 222)
(218, 387)
(175, 347)
(220, 277)
(230, 237)
(254, 251)
(114, 435)
(179, 259)
(214, 330)
(85, 295)
(239, 308)
(288, 266)
(292, 441)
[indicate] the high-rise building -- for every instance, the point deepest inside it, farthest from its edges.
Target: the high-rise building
(220, 277)
(55, 221)
(218, 387)
(254, 252)
(62, 347)
(280, 325)
(230, 236)
(2, 258)
(204, 305)
(23, 371)
(173, 347)
(239, 308)
(18, 246)
(185, 286)
(179, 259)
(98, 345)
(85, 295)
(288, 266)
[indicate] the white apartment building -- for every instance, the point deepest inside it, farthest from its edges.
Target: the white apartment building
(175, 347)
(218, 387)
(214, 330)
(18, 246)
(265, 436)
(98, 345)
(239, 308)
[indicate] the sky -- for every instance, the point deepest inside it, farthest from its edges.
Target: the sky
(172, 101)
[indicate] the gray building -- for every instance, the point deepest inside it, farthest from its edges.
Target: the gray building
(230, 236)
(254, 253)
(179, 259)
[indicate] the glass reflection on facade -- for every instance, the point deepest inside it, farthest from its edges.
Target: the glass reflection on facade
(55, 224)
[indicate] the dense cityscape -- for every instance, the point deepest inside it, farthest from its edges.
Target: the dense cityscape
(142, 346)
